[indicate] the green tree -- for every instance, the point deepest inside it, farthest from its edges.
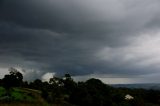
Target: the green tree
(91, 93)
(36, 84)
(13, 79)
(57, 87)
(69, 84)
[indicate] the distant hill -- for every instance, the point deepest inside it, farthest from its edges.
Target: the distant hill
(143, 86)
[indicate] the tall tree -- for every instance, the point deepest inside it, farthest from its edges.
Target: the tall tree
(13, 79)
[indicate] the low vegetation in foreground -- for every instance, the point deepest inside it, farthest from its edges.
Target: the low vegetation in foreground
(66, 92)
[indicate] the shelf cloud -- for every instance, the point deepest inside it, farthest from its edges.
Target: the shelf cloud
(104, 38)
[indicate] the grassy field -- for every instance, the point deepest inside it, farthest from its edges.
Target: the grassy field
(21, 97)
(25, 97)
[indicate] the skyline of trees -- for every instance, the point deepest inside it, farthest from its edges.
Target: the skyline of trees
(92, 92)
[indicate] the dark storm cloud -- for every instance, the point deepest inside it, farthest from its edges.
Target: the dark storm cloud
(77, 37)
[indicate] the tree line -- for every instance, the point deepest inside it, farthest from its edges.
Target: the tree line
(92, 92)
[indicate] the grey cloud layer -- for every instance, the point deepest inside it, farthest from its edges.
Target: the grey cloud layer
(73, 36)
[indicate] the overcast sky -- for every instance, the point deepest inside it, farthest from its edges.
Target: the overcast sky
(117, 41)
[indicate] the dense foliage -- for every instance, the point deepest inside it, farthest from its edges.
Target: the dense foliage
(13, 79)
(92, 92)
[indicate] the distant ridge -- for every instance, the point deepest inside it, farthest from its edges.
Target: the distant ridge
(153, 86)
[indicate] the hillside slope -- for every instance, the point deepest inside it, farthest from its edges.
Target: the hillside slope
(21, 97)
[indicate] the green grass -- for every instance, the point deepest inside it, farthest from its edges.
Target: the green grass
(17, 95)
(22, 97)
(2, 91)
(25, 97)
